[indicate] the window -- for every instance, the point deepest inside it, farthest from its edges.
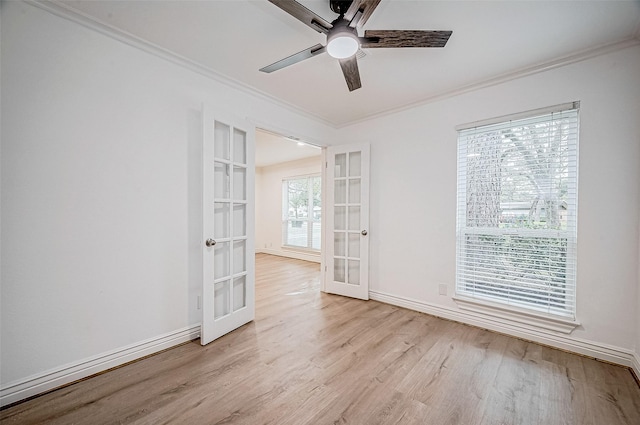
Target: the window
(516, 224)
(301, 212)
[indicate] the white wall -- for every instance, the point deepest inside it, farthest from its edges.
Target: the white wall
(100, 191)
(269, 205)
(413, 189)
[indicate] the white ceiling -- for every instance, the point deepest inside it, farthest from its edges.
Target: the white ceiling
(490, 39)
(274, 149)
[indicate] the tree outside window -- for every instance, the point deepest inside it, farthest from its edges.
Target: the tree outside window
(517, 212)
(302, 212)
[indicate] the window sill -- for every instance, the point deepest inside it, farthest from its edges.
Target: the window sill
(513, 314)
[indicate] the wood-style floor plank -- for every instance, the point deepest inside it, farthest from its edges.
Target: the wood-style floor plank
(314, 358)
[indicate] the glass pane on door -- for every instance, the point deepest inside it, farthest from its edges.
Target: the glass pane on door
(239, 220)
(239, 183)
(239, 257)
(339, 240)
(354, 164)
(354, 191)
(221, 139)
(339, 219)
(354, 245)
(339, 270)
(354, 272)
(239, 293)
(354, 218)
(239, 146)
(221, 260)
(340, 192)
(221, 219)
(221, 180)
(221, 299)
(341, 165)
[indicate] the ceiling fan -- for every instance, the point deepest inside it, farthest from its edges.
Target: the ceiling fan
(343, 41)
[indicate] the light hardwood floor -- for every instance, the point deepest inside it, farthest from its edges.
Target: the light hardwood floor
(313, 358)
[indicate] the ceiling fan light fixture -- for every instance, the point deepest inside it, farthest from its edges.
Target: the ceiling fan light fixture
(342, 43)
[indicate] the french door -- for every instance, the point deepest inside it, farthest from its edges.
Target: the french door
(347, 212)
(228, 286)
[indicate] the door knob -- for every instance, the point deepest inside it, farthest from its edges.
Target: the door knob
(210, 242)
(364, 233)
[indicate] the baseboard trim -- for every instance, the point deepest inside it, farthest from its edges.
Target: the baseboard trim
(297, 255)
(52, 379)
(587, 348)
(635, 366)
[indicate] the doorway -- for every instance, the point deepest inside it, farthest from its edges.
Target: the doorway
(288, 197)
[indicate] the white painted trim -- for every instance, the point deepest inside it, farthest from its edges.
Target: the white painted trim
(635, 364)
(297, 255)
(618, 355)
(512, 314)
(504, 78)
(55, 378)
(64, 11)
(269, 127)
(67, 12)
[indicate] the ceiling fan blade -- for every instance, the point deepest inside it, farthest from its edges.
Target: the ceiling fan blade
(304, 15)
(404, 38)
(351, 74)
(295, 58)
(366, 7)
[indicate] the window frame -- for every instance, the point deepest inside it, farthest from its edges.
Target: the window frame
(310, 219)
(504, 307)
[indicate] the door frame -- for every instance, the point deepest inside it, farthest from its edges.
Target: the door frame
(270, 128)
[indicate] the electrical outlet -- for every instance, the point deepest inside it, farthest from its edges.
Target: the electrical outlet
(442, 289)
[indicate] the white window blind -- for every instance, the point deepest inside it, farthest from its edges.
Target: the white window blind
(516, 220)
(301, 212)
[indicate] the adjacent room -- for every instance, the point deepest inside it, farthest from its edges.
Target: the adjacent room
(288, 197)
(320, 211)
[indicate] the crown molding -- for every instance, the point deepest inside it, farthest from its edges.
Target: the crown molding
(510, 76)
(66, 12)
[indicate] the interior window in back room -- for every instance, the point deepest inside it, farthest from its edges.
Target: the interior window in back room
(302, 212)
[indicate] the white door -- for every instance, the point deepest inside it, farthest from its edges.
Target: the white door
(347, 209)
(228, 286)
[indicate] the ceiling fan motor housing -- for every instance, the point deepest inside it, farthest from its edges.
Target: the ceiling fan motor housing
(340, 6)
